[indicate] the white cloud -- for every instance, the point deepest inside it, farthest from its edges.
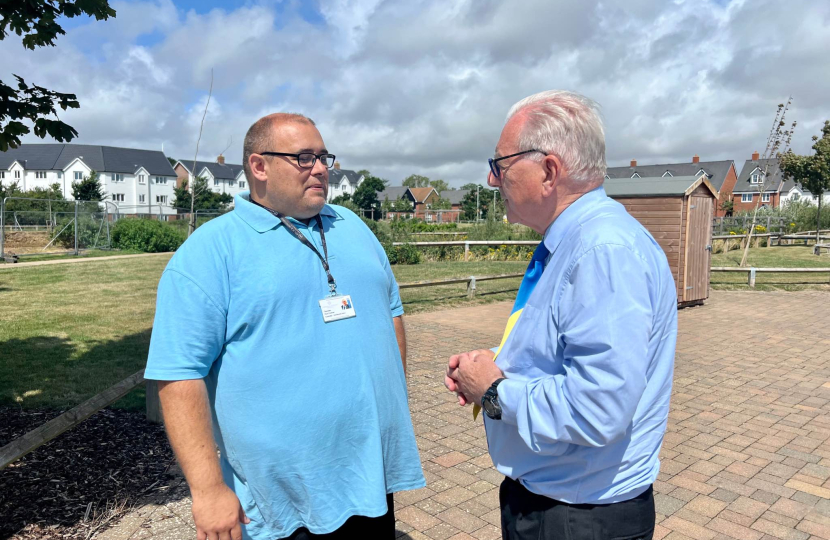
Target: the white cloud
(423, 86)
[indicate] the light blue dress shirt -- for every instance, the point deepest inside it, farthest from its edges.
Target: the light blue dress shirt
(589, 363)
(311, 418)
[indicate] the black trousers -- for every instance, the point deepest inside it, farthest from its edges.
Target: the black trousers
(528, 516)
(382, 527)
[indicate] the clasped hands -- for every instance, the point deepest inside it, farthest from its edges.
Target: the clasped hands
(470, 374)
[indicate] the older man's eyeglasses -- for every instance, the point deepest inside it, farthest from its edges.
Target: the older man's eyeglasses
(306, 160)
(494, 163)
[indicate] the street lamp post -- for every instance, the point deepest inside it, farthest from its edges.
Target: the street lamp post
(478, 212)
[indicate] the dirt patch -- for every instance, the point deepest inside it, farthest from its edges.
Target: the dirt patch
(25, 242)
(67, 488)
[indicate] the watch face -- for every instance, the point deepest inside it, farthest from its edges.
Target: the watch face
(488, 407)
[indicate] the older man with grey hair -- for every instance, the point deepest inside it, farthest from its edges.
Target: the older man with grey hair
(577, 395)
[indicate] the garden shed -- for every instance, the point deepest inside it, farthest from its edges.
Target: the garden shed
(678, 212)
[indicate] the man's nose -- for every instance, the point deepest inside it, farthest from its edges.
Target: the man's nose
(492, 181)
(319, 168)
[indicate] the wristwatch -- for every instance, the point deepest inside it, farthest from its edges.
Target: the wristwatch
(490, 401)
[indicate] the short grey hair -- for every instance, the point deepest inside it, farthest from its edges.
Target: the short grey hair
(567, 125)
(259, 136)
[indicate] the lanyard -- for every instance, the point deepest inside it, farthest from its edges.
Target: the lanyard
(301, 237)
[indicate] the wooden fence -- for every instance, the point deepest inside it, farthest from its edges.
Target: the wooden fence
(751, 272)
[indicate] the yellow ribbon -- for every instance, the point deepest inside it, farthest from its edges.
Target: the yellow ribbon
(511, 323)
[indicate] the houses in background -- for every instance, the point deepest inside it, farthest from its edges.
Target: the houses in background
(423, 200)
(343, 181)
(137, 181)
(221, 177)
(722, 175)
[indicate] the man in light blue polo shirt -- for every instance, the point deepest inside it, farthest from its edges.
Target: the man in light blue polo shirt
(279, 337)
(577, 400)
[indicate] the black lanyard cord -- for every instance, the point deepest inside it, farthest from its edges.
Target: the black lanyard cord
(301, 237)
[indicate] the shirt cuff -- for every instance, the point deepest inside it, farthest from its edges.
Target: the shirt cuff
(510, 394)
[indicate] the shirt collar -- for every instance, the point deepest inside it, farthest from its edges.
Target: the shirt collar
(570, 216)
(262, 220)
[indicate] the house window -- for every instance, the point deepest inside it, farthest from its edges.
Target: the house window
(795, 196)
(118, 197)
(60, 175)
(756, 178)
(17, 174)
(746, 197)
(231, 183)
(160, 179)
(117, 177)
(215, 181)
(765, 197)
(241, 184)
(40, 174)
(140, 178)
(2, 174)
(141, 199)
(79, 175)
(161, 199)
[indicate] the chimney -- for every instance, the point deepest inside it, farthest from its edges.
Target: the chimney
(696, 159)
(755, 156)
(337, 165)
(220, 159)
(633, 162)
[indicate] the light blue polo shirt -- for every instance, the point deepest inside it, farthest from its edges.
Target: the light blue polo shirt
(311, 418)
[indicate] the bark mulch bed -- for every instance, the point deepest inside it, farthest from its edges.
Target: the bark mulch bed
(79, 483)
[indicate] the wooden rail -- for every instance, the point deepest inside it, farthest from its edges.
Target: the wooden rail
(470, 281)
(753, 271)
(71, 418)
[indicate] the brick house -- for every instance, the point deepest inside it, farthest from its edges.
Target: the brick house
(761, 179)
(722, 175)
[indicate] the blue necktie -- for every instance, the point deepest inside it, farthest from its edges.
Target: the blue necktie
(532, 275)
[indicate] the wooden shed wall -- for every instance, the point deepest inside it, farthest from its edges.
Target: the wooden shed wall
(665, 219)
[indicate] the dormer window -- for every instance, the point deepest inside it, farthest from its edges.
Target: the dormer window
(667, 173)
(756, 178)
(635, 175)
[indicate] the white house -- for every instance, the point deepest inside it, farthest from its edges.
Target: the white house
(342, 181)
(137, 181)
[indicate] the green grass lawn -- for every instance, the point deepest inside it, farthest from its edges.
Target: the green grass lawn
(70, 331)
(773, 257)
(83, 255)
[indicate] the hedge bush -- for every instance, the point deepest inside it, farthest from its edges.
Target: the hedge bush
(146, 235)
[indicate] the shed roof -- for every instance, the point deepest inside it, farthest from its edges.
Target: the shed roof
(656, 186)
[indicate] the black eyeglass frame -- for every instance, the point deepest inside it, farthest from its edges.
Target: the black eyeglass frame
(494, 163)
(297, 157)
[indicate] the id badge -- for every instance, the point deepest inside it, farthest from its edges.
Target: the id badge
(338, 307)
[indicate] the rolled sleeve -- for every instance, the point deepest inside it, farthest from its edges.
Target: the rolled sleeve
(188, 330)
(605, 323)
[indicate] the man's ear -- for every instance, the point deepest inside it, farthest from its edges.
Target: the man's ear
(554, 172)
(257, 166)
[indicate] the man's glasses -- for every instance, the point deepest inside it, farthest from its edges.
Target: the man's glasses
(494, 163)
(306, 160)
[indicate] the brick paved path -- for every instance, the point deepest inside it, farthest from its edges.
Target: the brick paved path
(746, 455)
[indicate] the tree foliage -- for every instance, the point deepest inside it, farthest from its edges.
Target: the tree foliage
(812, 172)
(439, 185)
(366, 194)
(88, 189)
(415, 181)
(205, 198)
(37, 22)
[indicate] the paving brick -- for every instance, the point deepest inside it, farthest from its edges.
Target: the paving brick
(733, 530)
(692, 530)
(461, 520)
(706, 506)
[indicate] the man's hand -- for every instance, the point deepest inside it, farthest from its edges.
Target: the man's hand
(217, 514)
(470, 374)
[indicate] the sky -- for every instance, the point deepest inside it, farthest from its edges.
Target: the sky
(423, 86)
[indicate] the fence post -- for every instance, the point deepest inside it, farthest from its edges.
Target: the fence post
(752, 277)
(2, 228)
(76, 228)
(471, 288)
(153, 403)
(466, 251)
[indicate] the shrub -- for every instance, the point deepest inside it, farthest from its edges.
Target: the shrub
(146, 235)
(405, 254)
